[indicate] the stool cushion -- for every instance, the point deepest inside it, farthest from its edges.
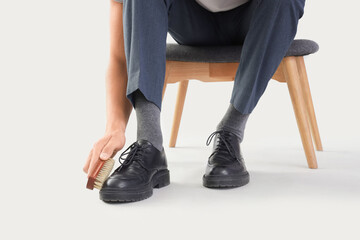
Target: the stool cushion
(228, 53)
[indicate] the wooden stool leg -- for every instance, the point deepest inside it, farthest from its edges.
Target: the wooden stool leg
(292, 78)
(167, 75)
(164, 89)
(178, 111)
(309, 103)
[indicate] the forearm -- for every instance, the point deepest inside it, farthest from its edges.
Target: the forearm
(118, 107)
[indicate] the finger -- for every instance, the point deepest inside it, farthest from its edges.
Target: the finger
(96, 152)
(110, 149)
(87, 163)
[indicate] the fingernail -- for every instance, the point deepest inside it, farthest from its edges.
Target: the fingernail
(104, 156)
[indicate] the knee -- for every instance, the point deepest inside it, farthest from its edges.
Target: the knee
(294, 6)
(285, 3)
(291, 4)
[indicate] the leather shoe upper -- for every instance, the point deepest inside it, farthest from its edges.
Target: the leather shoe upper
(141, 161)
(226, 157)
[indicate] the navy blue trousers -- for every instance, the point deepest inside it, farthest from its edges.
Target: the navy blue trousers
(265, 28)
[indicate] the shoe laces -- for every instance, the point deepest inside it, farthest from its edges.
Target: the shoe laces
(222, 145)
(133, 152)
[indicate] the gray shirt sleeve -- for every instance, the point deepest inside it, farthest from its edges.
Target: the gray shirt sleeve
(119, 1)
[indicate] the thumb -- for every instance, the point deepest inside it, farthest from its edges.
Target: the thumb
(107, 151)
(105, 155)
(110, 149)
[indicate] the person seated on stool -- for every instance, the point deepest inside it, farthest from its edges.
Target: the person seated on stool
(136, 73)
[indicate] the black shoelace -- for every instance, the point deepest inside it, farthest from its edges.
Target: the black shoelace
(222, 145)
(133, 152)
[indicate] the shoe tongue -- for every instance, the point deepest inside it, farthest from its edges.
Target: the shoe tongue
(229, 135)
(232, 141)
(143, 142)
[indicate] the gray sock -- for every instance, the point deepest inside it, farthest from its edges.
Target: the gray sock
(234, 122)
(148, 120)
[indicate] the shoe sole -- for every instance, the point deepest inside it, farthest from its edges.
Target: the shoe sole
(159, 180)
(226, 182)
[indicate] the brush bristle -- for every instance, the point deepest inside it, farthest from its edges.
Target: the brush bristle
(104, 173)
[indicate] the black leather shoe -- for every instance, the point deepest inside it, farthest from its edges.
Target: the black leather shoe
(144, 168)
(226, 167)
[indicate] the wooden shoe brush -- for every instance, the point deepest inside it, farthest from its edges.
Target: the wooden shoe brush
(101, 173)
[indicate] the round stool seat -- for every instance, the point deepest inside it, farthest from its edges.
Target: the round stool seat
(228, 53)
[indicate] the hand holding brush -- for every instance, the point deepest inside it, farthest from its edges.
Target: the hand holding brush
(100, 161)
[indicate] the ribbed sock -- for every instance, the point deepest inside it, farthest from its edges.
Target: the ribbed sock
(148, 120)
(234, 122)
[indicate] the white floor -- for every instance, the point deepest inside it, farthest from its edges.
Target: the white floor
(283, 200)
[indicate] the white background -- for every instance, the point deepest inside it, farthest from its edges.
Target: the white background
(53, 58)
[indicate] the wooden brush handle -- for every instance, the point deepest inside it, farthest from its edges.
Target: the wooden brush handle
(91, 179)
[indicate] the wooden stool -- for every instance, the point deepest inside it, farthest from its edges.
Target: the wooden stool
(219, 63)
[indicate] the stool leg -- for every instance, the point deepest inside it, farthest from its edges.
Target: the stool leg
(164, 89)
(167, 75)
(292, 78)
(309, 103)
(178, 111)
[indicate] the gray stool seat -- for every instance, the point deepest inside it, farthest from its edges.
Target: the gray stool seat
(228, 53)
